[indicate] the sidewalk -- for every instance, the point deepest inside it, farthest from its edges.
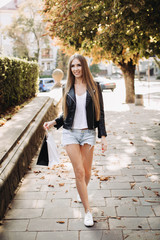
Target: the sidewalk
(124, 189)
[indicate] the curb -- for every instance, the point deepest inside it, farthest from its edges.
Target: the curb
(17, 161)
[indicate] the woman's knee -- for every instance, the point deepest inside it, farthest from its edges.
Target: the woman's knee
(80, 174)
(87, 173)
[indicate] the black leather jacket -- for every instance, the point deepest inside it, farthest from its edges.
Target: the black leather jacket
(90, 111)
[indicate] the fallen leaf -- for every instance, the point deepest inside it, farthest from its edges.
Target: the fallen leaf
(9, 206)
(37, 172)
(61, 184)
(157, 193)
(61, 222)
(103, 178)
(145, 160)
(102, 213)
(132, 143)
(149, 175)
(139, 226)
(148, 188)
(43, 177)
(53, 168)
(62, 165)
(134, 200)
(132, 185)
(51, 185)
(158, 164)
(2, 122)
(66, 191)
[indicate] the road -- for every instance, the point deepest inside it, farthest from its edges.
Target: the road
(114, 100)
(150, 91)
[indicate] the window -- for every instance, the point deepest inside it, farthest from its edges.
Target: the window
(48, 66)
(46, 52)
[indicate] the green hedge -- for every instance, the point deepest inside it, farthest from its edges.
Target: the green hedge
(18, 81)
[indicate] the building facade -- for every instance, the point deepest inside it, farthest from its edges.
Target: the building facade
(48, 52)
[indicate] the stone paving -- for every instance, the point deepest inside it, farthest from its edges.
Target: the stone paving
(124, 191)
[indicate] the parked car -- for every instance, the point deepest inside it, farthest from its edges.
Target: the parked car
(116, 76)
(106, 83)
(46, 84)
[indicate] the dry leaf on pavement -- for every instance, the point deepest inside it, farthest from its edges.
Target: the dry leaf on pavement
(61, 184)
(132, 185)
(145, 160)
(103, 178)
(148, 188)
(37, 172)
(134, 200)
(61, 222)
(157, 193)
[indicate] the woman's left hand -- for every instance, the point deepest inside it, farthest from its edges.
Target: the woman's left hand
(104, 143)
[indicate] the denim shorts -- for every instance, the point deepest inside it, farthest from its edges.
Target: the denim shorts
(78, 136)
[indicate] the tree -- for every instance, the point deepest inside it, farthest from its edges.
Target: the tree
(121, 30)
(94, 69)
(27, 30)
(62, 62)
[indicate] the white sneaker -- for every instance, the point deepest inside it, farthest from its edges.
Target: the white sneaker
(78, 198)
(88, 219)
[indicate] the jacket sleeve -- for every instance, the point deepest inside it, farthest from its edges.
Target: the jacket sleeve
(59, 121)
(101, 124)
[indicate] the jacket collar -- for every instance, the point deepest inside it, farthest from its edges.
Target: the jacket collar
(72, 95)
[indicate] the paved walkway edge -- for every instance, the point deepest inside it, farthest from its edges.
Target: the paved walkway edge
(16, 163)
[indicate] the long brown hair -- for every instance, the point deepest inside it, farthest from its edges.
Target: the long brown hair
(87, 78)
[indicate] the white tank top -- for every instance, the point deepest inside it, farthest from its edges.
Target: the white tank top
(80, 117)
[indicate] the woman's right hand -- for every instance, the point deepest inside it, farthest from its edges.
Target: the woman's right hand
(49, 125)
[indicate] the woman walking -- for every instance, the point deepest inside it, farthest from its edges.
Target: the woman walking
(82, 113)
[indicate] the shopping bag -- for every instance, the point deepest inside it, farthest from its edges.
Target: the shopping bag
(53, 155)
(43, 155)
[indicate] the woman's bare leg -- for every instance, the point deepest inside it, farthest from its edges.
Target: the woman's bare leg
(74, 152)
(87, 156)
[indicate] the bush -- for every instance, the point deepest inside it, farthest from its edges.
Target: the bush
(45, 76)
(18, 81)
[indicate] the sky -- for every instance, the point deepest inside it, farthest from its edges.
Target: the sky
(4, 2)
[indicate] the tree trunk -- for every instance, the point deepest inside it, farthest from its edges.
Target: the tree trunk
(128, 70)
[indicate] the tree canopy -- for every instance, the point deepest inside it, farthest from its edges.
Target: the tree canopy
(121, 30)
(27, 30)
